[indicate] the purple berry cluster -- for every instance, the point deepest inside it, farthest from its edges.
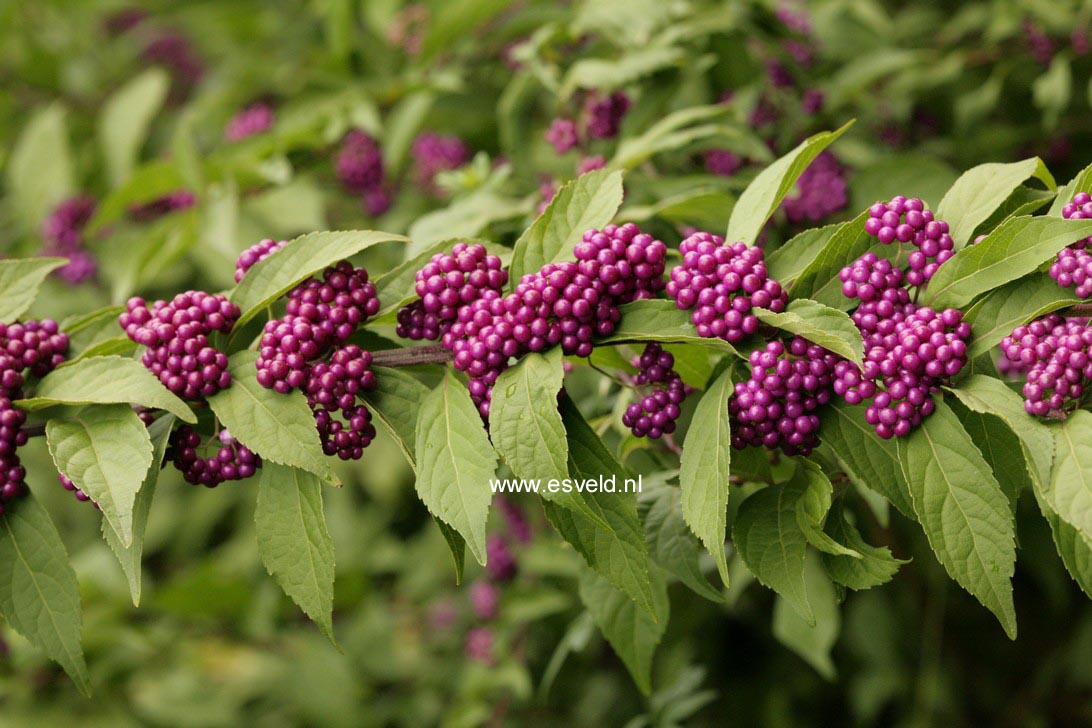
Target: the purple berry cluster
(776, 406)
(257, 252)
(37, 347)
(447, 283)
(176, 334)
(655, 414)
(1054, 351)
(563, 135)
(821, 191)
(173, 51)
(251, 121)
(566, 303)
(721, 285)
(359, 162)
(157, 208)
(434, 153)
(64, 237)
(231, 461)
(907, 221)
(603, 114)
(1073, 266)
(71, 487)
(722, 162)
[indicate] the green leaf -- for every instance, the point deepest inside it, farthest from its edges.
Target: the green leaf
(659, 320)
(965, 515)
(1081, 183)
(278, 427)
(669, 541)
(632, 633)
(791, 259)
(125, 119)
(105, 450)
(828, 327)
(875, 566)
(106, 380)
(812, 642)
(20, 280)
(274, 276)
(911, 174)
(455, 462)
(1017, 247)
(293, 541)
(769, 188)
(812, 509)
(395, 401)
(456, 21)
(600, 73)
(523, 419)
(39, 596)
(86, 330)
(979, 191)
(130, 556)
(589, 201)
(1000, 311)
(684, 128)
(40, 169)
(1075, 549)
(769, 539)
(1068, 492)
(819, 280)
(1001, 449)
(705, 467)
(705, 209)
(1052, 90)
(868, 460)
(466, 217)
(456, 544)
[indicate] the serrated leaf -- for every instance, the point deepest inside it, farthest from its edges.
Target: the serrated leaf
(1017, 247)
(1001, 449)
(819, 280)
(125, 119)
(1074, 549)
(979, 191)
(812, 508)
(812, 642)
(40, 171)
(39, 596)
(278, 427)
(769, 539)
(632, 633)
(763, 196)
(106, 380)
(271, 278)
(524, 423)
(1068, 492)
(1018, 302)
(130, 556)
(659, 320)
(455, 462)
(456, 544)
(294, 542)
(105, 450)
(791, 259)
(828, 327)
(868, 460)
(20, 280)
(705, 468)
(965, 515)
(875, 566)
(395, 401)
(589, 201)
(670, 542)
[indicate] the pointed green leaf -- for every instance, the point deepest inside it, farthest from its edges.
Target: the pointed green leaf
(812, 509)
(395, 401)
(455, 462)
(981, 190)
(20, 280)
(819, 279)
(662, 321)
(39, 596)
(1074, 549)
(791, 259)
(812, 642)
(1069, 490)
(456, 544)
(995, 315)
(105, 450)
(670, 542)
(125, 119)
(875, 566)
(293, 541)
(40, 171)
(828, 327)
(523, 419)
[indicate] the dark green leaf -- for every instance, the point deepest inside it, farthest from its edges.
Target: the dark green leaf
(875, 567)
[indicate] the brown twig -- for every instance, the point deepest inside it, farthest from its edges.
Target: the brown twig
(433, 354)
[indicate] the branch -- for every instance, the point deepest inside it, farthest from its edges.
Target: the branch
(433, 354)
(1081, 308)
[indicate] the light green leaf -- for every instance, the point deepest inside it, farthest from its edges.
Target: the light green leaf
(130, 556)
(20, 280)
(106, 380)
(965, 515)
(39, 596)
(769, 539)
(812, 509)
(632, 633)
(125, 119)
(395, 401)
(708, 125)
(601, 73)
(828, 327)
(1068, 492)
(997, 313)
(274, 276)
(819, 280)
(791, 259)
(705, 466)
(670, 543)
(105, 450)
(293, 541)
(456, 544)
(523, 419)
(455, 462)
(769, 188)
(979, 191)
(875, 566)
(1017, 247)
(278, 427)
(1052, 90)
(40, 169)
(1081, 183)
(589, 201)
(705, 209)
(456, 21)
(812, 642)
(659, 320)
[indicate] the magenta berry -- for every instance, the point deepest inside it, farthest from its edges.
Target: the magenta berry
(71, 487)
(63, 232)
(157, 208)
(345, 436)
(722, 162)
